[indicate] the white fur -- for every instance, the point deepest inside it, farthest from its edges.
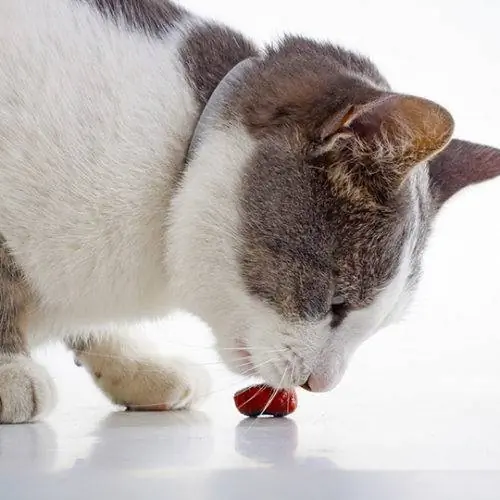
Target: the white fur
(26, 390)
(132, 375)
(94, 122)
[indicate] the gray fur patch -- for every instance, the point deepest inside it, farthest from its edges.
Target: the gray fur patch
(13, 300)
(303, 246)
(306, 241)
(153, 17)
(209, 53)
(461, 164)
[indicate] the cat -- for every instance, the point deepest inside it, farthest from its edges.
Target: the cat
(153, 161)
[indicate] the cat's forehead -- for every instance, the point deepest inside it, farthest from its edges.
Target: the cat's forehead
(302, 84)
(298, 51)
(302, 245)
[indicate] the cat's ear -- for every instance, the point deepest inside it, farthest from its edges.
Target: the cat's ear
(391, 134)
(460, 165)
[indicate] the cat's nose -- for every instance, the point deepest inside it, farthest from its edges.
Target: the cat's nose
(306, 386)
(317, 383)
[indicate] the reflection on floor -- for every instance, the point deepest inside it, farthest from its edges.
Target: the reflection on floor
(186, 455)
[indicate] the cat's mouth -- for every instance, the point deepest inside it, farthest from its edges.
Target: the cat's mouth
(244, 355)
(273, 371)
(242, 361)
(279, 371)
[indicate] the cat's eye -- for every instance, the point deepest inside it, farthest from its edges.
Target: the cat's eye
(338, 308)
(338, 301)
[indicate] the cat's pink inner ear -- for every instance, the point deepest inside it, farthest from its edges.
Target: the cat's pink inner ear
(383, 141)
(337, 124)
(405, 127)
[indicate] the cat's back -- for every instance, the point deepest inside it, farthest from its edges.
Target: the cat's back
(98, 103)
(81, 90)
(95, 117)
(79, 82)
(103, 90)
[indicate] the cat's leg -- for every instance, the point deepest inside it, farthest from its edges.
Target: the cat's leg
(134, 376)
(26, 389)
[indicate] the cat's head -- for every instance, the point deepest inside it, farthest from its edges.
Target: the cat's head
(303, 215)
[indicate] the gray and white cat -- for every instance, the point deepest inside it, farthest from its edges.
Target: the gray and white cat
(152, 161)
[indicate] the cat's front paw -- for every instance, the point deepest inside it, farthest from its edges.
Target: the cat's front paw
(155, 384)
(26, 391)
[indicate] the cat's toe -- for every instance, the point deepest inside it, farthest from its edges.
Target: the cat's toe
(26, 391)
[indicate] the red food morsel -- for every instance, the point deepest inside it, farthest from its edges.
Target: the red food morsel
(264, 400)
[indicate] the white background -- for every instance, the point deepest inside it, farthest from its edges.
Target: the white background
(425, 393)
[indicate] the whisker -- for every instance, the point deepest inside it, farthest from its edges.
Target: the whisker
(211, 393)
(273, 395)
(237, 382)
(136, 363)
(249, 349)
(253, 396)
(254, 367)
(90, 354)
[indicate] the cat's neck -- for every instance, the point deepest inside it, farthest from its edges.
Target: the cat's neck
(209, 54)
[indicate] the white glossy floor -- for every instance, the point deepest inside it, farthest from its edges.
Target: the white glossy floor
(417, 416)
